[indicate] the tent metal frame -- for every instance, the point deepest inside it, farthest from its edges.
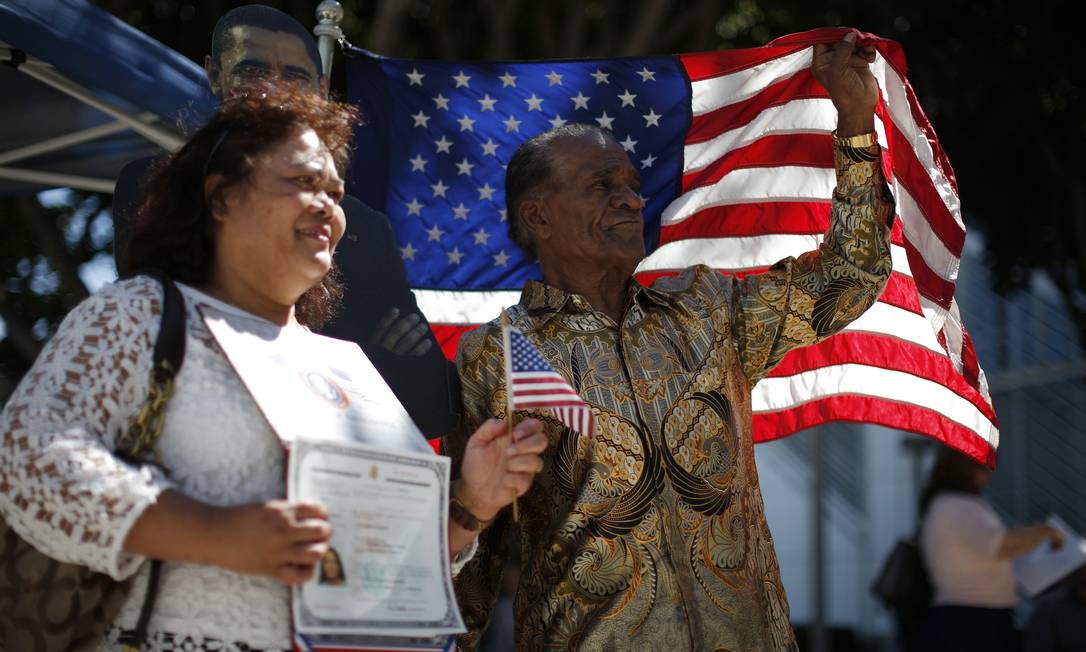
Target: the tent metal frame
(143, 124)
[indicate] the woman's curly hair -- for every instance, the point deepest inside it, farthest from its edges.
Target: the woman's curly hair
(173, 229)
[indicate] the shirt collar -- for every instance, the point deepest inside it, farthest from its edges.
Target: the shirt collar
(541, 302)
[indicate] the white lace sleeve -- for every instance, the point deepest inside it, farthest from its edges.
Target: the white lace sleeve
(61, 488)
(464, 556)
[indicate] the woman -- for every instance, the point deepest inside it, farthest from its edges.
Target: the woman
(331, 570)
(245, 218)
(968, 552)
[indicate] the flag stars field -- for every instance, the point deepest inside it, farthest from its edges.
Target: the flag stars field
(487, 111)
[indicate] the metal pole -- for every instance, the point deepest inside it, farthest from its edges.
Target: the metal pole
(327, 31)
(48, 75)
(819, 640)
(62, 142)
(55, 179)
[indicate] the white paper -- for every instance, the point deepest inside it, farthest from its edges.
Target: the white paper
(1043, 567)
(390, 528)
(308, 385)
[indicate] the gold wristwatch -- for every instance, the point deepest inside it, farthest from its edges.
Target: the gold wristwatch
(862, 140)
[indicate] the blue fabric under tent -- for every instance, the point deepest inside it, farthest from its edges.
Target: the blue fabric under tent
(119, 66)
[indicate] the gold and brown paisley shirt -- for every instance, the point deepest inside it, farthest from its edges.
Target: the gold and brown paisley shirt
(652, 535)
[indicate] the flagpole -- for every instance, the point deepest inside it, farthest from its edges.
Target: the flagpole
(328, 32)
(509, 395)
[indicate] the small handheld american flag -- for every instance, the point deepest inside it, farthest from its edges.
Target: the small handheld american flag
(533, 383)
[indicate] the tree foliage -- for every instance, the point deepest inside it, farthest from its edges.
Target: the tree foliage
(1000, 81)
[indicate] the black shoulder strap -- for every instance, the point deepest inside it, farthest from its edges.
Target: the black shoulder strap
(169, 351)
(168, 356)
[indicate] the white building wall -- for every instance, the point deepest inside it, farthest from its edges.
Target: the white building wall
(857, 540)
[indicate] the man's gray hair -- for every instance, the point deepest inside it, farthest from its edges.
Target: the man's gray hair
(532, 167)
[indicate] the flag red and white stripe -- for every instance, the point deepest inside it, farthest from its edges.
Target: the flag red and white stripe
(756, 185)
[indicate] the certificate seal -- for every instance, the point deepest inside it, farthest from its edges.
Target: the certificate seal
(326, 388)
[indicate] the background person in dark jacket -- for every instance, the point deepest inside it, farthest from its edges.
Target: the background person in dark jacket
(378, 311)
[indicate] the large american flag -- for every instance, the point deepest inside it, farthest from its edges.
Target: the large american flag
(533, 384)
(737, 172)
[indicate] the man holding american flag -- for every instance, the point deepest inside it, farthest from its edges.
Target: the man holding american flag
(652, 533)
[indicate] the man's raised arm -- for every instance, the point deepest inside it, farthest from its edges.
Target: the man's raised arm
(803, 300)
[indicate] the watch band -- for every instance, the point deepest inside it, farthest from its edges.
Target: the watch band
(463, 517)
(869, 139)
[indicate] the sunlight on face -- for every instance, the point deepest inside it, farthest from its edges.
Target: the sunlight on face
(596, 210)
(278, 231)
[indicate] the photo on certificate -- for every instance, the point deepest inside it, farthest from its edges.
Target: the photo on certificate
(330, 571)
(387, 572)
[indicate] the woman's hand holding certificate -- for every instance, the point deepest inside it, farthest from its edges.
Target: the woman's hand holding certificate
(280, 539)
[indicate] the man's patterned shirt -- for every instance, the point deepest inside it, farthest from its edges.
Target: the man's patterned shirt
(652, 535)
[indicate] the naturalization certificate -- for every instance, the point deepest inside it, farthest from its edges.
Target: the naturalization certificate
(386, 582)
(388, 571)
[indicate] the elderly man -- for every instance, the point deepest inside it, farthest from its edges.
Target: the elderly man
(653, 535)
(379, 313)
